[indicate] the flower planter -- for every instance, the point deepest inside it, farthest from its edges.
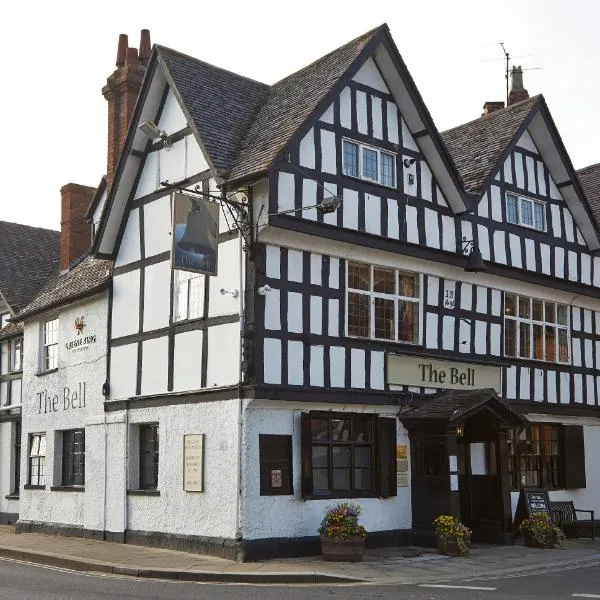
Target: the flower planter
(450, 547)
(532, 542)
(342, 550)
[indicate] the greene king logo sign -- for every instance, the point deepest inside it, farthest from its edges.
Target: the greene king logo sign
(81, 342)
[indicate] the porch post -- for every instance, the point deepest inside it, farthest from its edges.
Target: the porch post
(452, 451)
(503, 459)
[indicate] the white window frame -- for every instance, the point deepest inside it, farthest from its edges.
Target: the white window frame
(40, 480)
(379, 151)
(46, 366)
(520, 199)
(181, 290)
(396, 297)
(12, 368)
(4, 317)
(531, 322)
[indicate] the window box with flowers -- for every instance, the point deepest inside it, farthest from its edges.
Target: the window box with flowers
(453, 538)
(539, 531)
(342, 537)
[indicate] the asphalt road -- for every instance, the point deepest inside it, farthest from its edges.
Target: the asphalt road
(22, 581)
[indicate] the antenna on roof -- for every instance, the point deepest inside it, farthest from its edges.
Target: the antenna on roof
(507, 56)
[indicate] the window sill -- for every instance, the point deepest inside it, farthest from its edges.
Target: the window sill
(345, 496)
(67, 488)
(41, 373)
(149, 492)
(12, 497)
(29, 486)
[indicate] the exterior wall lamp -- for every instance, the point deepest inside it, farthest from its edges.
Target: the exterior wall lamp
(460, 431)
(475, 262)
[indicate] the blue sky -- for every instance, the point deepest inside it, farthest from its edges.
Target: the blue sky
(57, 57)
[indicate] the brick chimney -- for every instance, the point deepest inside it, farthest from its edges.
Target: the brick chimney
(75, 231)
(121, 92)
(490, 107)
(517, 91)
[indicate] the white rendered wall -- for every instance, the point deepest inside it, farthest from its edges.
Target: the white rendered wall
(209, 513)
(75, 368)
(291, 516)
(7, 467)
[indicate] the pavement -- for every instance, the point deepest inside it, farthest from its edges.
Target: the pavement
(381, 566)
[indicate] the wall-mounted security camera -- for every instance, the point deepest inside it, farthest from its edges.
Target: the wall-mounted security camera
(151, 131)
(265, 289)
(408, 162)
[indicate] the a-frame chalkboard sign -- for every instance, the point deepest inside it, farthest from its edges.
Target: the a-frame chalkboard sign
(531, 501)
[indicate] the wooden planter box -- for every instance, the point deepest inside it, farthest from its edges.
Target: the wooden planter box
(337, 549)
(451, 548)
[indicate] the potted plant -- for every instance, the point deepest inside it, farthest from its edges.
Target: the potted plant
(453, 538)
(342, 537)
(540, 532)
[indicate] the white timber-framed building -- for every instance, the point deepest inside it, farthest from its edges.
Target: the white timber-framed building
(345, 354)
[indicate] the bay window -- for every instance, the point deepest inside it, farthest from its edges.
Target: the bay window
(383, 303)
(536, 329)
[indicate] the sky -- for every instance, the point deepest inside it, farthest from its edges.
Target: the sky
(57, 56)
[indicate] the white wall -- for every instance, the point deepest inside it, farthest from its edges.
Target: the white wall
(291, 516)
(75, 368)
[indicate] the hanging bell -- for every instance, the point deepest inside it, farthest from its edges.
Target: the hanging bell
(475, 262)
(200, 235)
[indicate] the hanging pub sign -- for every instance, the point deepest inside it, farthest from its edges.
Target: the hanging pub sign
(195, 234)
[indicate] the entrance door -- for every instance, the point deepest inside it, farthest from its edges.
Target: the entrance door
(480, 485)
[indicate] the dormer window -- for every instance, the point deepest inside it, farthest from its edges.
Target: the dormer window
(371, 164)
(525, 212)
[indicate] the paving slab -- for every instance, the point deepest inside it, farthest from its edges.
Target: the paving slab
(380, 565)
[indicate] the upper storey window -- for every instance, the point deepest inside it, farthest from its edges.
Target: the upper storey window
(536, 329)
(371, 164)
(526, 212)
(383, 303)
(50, 347)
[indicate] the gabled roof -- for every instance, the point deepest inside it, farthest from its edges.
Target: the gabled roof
(28, 256)
(589, 178)
(87, 278)
(290, 103)
(456, 406)
(220, 104)
(89, 215)
(477, 147)
(11, 330)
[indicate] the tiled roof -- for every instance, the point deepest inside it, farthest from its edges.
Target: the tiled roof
(88, 277)
(456, 405)
(28, 256)
(11, 330)
(221, 104)
(476, 147)
(290, 102)
(589, 177)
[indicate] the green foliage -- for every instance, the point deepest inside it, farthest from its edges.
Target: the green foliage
(449, 528)
(541, 531)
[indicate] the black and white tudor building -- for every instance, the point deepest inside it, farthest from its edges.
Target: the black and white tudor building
(348, 353)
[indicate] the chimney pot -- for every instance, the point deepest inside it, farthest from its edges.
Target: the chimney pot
(132, 57)
(517, 91)
(145, 47)
(491, 106)
(122, 49)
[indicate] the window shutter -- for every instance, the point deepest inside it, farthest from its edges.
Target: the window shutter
(574, 457)
(386, 456)
(306, 456)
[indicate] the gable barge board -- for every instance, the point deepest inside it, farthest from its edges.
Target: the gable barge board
(440, 256)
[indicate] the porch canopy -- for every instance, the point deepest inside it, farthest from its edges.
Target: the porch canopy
(455, 407)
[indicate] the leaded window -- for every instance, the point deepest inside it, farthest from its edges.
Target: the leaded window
(148, 456)
(367, 162)
(536, 329)
(73, 465)
(526, 212)
(383, 303)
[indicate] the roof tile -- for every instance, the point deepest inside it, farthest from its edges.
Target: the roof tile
(589, 178)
